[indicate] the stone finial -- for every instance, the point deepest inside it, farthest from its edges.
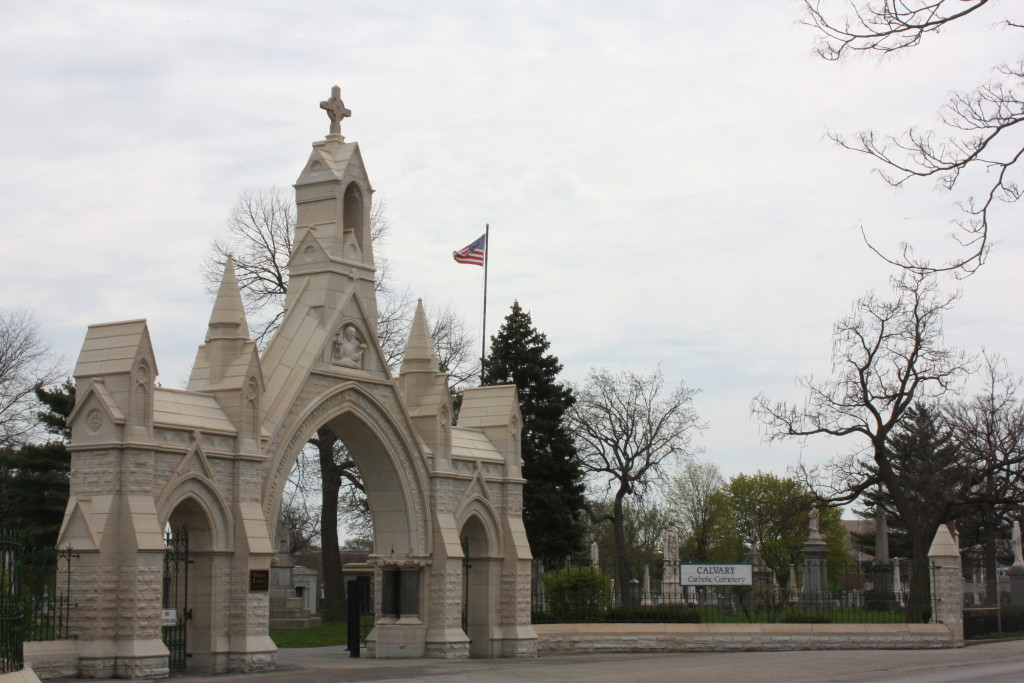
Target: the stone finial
(336, 110)
(943, 544)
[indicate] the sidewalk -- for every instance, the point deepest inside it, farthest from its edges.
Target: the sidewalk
(993, 661)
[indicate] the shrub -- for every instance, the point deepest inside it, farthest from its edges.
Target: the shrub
(807, 618)
(577, 594)
(653, 614)
(978, 623)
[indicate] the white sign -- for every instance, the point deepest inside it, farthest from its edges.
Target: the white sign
(714, 574)
(170, 617)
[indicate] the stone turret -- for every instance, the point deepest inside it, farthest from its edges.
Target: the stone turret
(425, 390)
(228, 364)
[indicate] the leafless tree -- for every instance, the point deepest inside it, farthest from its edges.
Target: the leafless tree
(887, 354)
(26, 362)
(627, 430)
(989, 429)
(978, 141)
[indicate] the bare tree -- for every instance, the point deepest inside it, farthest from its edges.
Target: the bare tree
(989, 429)
(887, 354)
(627, 431)
(977, 142)
(26, 362)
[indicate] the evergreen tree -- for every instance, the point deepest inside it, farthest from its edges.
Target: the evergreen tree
(553, 494)
(34, 477)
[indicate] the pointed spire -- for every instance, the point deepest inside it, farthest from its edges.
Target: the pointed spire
(419, 349)
(227, 321)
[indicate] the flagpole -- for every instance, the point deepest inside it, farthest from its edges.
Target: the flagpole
(483, 339)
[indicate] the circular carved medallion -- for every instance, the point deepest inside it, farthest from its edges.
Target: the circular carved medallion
(94, 420)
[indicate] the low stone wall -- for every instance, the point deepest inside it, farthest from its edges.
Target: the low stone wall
(555, 639)
(24, 676)
(53, 658)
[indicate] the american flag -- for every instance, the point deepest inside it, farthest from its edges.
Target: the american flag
(473, 254)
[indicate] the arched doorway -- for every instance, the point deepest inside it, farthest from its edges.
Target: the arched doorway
(481, 572)
(196, 535)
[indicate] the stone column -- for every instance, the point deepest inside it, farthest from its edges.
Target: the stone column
(947, 584)
(815, 594)
(881, 597)
(1017, 570)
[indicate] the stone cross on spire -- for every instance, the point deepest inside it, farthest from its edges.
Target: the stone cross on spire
(336, 110)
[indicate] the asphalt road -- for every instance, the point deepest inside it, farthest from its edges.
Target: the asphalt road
(1003, 661)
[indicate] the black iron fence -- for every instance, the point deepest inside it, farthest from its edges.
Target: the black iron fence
(35, 590)
(852, 594)
(46, 595)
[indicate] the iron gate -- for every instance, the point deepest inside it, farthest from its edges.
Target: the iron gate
(176, 612)
(465, 585)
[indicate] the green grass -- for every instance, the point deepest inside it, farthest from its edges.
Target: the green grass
(327, 634)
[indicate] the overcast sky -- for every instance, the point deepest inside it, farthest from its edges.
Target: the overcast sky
(656, 174)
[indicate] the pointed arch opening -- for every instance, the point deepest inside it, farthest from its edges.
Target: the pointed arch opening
(354, 221)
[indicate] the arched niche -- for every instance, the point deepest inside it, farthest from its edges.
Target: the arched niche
(354, 219)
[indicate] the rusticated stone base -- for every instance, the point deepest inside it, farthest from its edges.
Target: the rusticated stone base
(252, 662)
(147, 668)
(583, 638)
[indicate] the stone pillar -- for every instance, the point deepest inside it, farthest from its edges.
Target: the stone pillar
(881, 597)
(947, 584)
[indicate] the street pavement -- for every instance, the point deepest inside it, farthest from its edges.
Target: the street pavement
(1002, 661)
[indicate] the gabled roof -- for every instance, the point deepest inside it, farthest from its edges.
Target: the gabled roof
(189, 410)
(112, 348)
(489, 406)
(472, 443)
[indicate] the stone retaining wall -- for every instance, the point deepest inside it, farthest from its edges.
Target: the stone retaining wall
(581, 638)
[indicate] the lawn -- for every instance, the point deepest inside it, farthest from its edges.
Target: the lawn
(328, 633)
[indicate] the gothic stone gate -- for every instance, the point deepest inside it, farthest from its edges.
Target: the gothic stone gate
(216, 456)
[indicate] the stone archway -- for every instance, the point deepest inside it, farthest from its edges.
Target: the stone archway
(395, 479)
(218, 454)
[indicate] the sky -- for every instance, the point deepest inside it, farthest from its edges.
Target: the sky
(657, 177)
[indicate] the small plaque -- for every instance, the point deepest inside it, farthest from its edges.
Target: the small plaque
(259, 580)
(170, 617)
